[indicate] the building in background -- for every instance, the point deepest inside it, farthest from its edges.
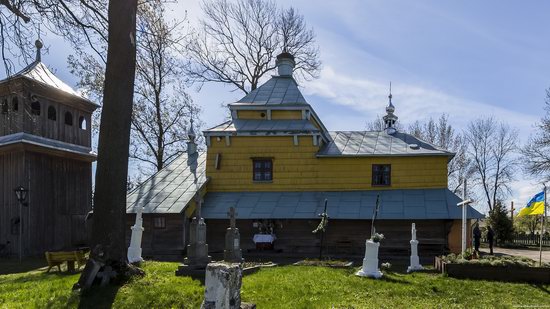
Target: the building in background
(45, 147)
(276, 163)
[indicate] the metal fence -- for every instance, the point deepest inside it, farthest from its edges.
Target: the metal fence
(527, 240)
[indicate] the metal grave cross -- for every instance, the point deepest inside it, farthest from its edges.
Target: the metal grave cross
(232, 215)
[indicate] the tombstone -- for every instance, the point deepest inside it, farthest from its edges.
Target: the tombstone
(197, 249)
(222, 286)
(415, 261)
(370, 262)
(134, 251)
(232, 252)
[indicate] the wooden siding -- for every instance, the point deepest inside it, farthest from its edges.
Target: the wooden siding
(275, 114)
(282, 114)
(24, 121)
(167, 243)
(296, 168)
(252, 114)
(59, 199)
(343, 237)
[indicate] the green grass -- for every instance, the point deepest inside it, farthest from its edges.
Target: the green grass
(279, 287)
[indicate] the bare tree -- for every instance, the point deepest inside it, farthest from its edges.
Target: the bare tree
(237, 43)
(536, 153)
(162, 108)
(441, 134)
(492, 147)
(82, 23)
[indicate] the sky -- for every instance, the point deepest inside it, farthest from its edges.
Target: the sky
(463, 58)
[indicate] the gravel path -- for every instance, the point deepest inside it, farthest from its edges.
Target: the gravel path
(530, 253)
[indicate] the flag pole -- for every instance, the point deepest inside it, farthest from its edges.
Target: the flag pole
(542, 228)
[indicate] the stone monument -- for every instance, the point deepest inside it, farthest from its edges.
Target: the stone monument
(197, 249)
(415, 261)
(134, 251)
(222, 286)
(232, 252)
(370, 262)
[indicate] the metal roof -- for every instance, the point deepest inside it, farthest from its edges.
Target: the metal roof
(39, 72)
(377, 143)
(279, 90)
(259, 125)
(394, 204)
(170, 189)
(45, 142)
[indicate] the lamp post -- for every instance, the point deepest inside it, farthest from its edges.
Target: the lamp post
(21, 194)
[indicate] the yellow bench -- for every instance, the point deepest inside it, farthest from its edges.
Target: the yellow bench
(57, 258)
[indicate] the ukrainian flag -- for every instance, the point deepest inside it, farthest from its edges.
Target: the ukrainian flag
(534, 207)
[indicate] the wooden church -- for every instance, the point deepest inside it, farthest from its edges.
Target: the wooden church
(45, 148)
(276, 163)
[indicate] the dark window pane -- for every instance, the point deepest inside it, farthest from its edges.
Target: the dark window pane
(68, 119)
(262, 170)
(52, 114)
(381, 174)
(35, 108)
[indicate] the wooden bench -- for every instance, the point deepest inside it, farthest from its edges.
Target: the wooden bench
(57, 258)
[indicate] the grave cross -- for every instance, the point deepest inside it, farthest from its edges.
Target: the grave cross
(106, 275)
(232, 215)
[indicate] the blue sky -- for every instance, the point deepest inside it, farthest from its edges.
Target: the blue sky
(463, 58)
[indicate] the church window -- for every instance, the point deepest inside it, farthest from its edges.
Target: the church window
(52, 113)
(262, 170)
(82, 123)
(68, 118)
(15, 104)
(381, 174)
(35, 108)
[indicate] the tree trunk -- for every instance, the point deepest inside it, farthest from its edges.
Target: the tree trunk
(109, 222)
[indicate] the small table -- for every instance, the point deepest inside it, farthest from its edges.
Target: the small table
(264, 241)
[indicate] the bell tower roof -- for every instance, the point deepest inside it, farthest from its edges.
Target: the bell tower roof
(38, 72)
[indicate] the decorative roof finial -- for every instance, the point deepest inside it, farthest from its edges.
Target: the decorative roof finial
(191, 131)
(39, 46)
(390, 119)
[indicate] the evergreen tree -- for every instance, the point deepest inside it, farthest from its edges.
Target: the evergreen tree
(501, 223)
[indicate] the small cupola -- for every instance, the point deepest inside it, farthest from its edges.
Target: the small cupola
(38, 44)
(390, 118)
(285, 64)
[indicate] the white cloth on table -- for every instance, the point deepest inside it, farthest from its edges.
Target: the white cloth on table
(263, 238)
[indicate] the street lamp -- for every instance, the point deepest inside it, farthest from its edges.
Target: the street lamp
(21, 194)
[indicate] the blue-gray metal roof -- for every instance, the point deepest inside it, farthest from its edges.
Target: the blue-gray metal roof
(30, 139)
(279, 90)
(170, 189)
(377, 143)
(39, 72)
(394, 204)
(260, 125)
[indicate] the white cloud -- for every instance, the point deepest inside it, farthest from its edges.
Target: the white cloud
(412, 102)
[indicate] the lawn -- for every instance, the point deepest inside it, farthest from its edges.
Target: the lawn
(279, 287)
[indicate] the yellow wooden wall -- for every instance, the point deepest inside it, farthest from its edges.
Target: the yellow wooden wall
(252, 114)
(275, 114)
(286, 114)
(297, 169)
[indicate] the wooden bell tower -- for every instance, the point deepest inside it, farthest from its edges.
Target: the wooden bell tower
(45, 146)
